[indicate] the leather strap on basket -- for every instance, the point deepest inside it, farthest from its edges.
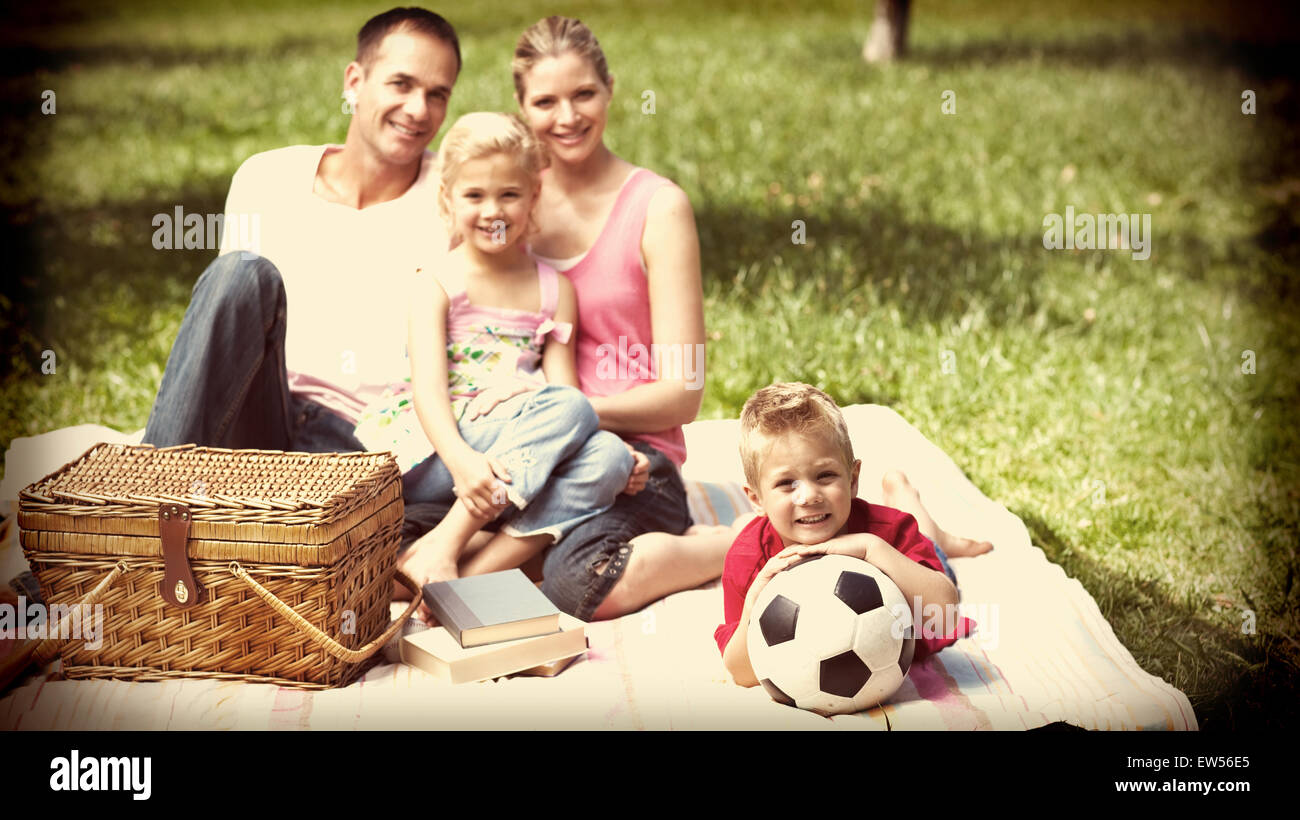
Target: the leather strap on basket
(320, 639)
(178, 587)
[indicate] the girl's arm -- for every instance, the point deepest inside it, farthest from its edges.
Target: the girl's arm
(560, 367)
(558, 363)
(671, 248)
(426, 347)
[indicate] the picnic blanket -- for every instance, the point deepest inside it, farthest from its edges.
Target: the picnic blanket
(1043, 653)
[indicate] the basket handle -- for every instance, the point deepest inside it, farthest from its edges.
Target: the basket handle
(320, 639)
(42, 652)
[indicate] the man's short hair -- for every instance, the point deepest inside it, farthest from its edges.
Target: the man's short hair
(788, 407)
(410, 18)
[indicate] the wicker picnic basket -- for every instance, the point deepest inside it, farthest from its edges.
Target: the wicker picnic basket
(248, 565)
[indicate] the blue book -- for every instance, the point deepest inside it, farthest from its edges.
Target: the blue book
(499, 606)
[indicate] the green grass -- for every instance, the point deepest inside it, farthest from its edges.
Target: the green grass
(1100, 398)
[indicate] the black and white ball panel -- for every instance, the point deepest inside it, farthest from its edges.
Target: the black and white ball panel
(779, 620)
(859, 591)
(844, 674)
(833, 634)
(776, 694)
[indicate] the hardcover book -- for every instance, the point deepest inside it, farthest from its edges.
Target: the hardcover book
(435, 651)
(499, 606)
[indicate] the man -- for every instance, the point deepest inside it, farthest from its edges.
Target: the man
(286, 340)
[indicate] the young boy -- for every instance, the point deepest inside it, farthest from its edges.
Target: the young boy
(801, 474)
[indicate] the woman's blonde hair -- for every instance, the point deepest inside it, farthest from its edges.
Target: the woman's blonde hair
(482, 134)
(552, 37)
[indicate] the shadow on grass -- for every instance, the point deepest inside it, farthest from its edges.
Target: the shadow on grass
(1237, 681)
(930, 272)
(1182, 47)
(19, 58)
(68, 260)
(931, 269)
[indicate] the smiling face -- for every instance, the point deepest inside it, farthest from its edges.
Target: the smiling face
(401, 98)
(565, 103)
(490, 201)
(804, 487)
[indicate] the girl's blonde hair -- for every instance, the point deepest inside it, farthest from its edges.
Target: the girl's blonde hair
(552, 37)
(482, 134)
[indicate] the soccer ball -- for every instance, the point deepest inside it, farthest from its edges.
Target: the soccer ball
(832, 634)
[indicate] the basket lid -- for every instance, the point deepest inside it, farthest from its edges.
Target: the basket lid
(266, 486)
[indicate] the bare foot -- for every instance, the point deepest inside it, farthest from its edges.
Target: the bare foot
(428, 561)
(955, 546)
(901, 495)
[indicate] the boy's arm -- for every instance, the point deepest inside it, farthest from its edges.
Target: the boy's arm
(736, 656)
(919, 583)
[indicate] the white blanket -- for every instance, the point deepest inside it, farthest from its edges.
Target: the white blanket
(1043, 652)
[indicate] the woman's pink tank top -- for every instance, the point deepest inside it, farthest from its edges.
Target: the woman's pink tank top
(614, 348)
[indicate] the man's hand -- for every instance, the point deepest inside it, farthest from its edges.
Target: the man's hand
(640, 471)
(478, 484)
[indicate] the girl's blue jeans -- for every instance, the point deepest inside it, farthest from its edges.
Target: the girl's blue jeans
(563, 468)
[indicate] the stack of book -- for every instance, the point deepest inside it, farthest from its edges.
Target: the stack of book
(493, 625)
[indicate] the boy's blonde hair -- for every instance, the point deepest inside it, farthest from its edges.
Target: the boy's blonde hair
(788, 407)
(481, 134)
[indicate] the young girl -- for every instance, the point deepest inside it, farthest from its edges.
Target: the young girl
(477, 421)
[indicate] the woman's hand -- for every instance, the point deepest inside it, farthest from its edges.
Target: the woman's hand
(478, 483)
(640, 471)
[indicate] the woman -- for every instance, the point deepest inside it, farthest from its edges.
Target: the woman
(626, 238)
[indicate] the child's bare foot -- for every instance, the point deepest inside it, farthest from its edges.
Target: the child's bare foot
(955, 546)
(900, 494)
(427, 565)
(428, 561)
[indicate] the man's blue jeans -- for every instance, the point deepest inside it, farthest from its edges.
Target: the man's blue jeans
(225, 384)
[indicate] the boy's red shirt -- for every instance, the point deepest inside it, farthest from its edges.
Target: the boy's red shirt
(759, 541)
